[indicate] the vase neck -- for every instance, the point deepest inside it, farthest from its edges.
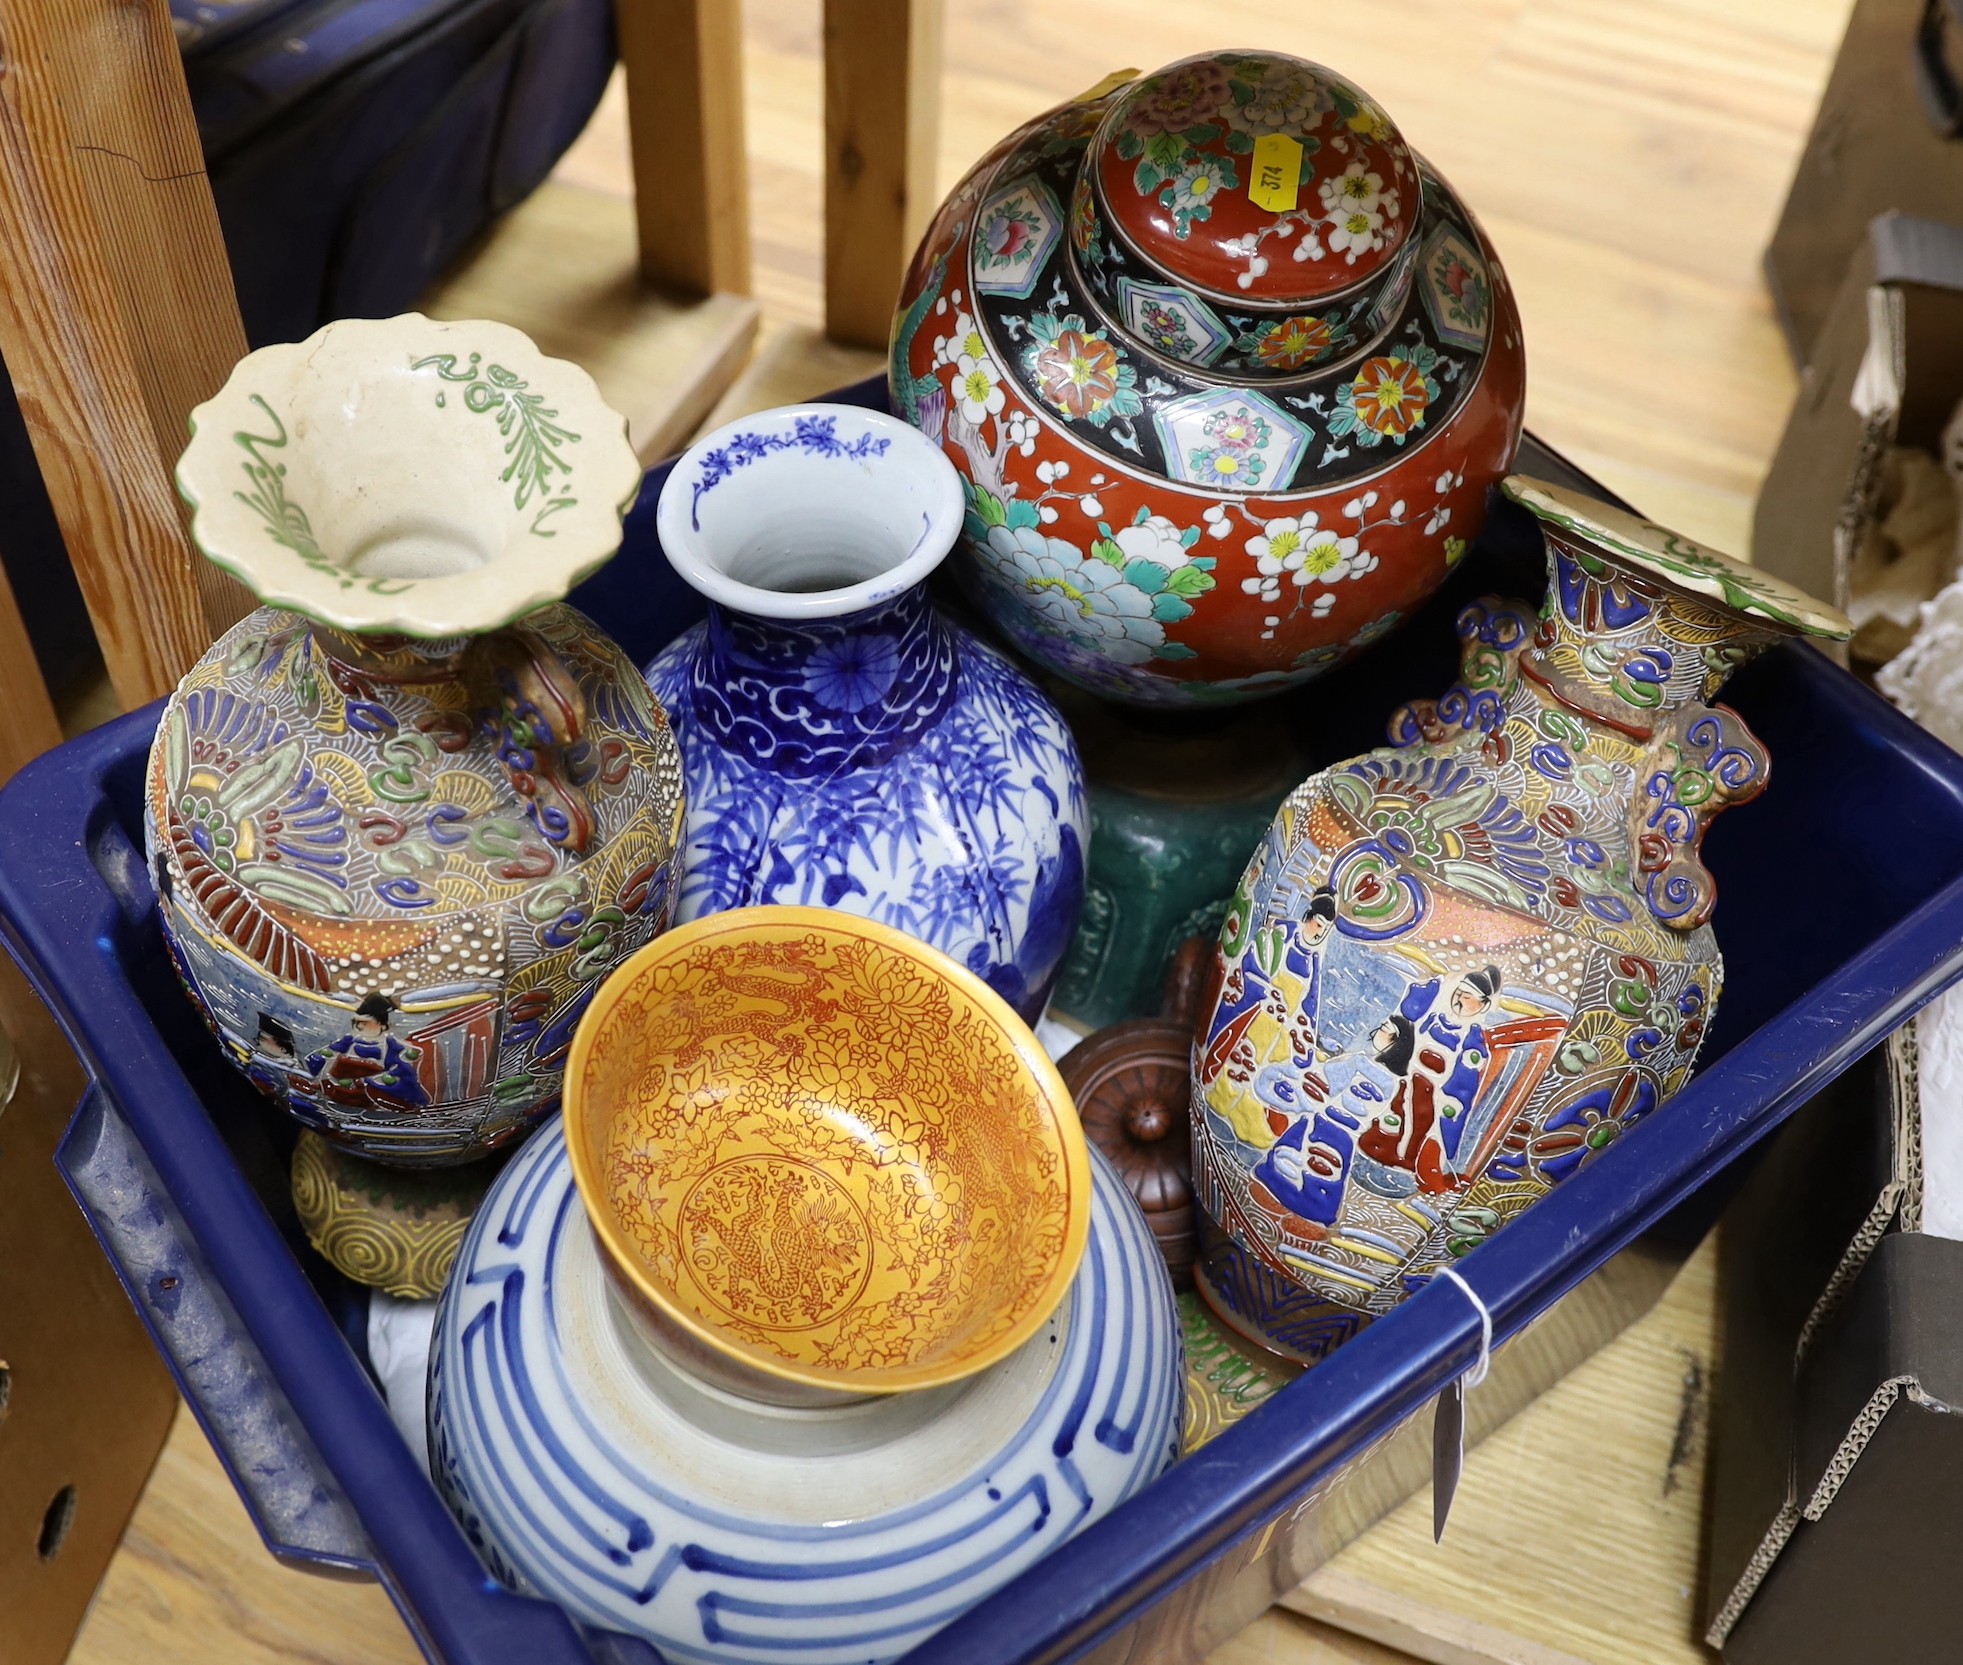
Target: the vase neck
(1620, 648)
(813, 697)
(391, 659)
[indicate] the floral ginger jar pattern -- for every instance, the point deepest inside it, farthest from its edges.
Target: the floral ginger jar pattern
(405, 819)
(845, 745)
(1227, 371)
(1461, 967)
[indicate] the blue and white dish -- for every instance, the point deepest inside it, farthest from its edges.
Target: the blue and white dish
(843, 744)
(591, 1470)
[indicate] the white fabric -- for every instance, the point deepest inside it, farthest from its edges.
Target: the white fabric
(1939, 1074)
(1926, 681)
(1926, 678)
(398, 1347)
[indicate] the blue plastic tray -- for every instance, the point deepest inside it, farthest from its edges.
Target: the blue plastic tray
(1841, 912)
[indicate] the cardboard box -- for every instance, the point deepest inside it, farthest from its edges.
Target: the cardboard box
(1837, 1506)
(1886, 136)
(1887, 370)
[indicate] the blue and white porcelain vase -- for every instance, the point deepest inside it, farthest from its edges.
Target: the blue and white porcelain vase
(843, 744)
(593, 1470)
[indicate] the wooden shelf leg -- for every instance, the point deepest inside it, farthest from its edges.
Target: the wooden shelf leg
(684, 62)
(116, 314)
(882, 136)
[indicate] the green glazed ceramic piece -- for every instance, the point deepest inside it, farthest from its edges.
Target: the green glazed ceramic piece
(1177, 804)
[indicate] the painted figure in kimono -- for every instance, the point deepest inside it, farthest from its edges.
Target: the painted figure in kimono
(1280, 972)
(1422, 1135)
(273, 1066)
(1307, 1169)
(368, 1066)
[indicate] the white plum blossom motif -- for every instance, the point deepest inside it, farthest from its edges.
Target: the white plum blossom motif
(1323, 603)
(1217, 523)
(1247, 247)
(1022, 432)
(965, 341)
(1354, 233)
(1303, 552)
(1091, 507)
(1357, 191)
(977, 388)
(1441, 516)
(1087, 601)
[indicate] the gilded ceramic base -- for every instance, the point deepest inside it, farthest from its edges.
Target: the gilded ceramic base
(1227, 1376)
(389, 1228)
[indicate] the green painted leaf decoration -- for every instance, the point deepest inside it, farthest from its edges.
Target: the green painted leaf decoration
(986, 506)
(255, 785)
(534, 438)
(285, 519)
(273, 882)
(1107, 551)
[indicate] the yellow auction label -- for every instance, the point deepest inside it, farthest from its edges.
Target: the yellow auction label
(1276, 174)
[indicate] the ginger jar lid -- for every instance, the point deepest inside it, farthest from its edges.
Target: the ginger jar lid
(1256, 180)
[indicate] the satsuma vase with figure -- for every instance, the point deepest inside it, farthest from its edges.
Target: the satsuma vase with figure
(1461, 967)
(403, 819)
(1227, 370)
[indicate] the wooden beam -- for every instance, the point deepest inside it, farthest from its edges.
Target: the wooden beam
(113, 320)
(130, 121)
(77, 352)
(882, 137)
(684, 62)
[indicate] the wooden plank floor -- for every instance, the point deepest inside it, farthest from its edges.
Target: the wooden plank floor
(1628, 158)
